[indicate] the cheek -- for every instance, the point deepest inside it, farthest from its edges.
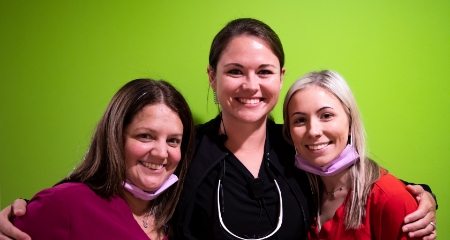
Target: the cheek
(133, 151)
(297, 134)
(175, 156)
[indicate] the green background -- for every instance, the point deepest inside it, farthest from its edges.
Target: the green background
(61, 62)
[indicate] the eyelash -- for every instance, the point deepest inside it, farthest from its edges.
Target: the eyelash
(174, 142)
(323, 116)
(235, 72)
(265, 72)
(239, 72)
(146, 136)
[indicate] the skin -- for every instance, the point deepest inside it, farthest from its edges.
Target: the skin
(152, 146)
(152, 149)
(319, 125)
(248, 80)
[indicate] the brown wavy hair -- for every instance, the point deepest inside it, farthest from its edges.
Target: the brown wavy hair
(103, 168)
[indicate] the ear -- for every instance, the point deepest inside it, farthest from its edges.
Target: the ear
(283, 71)
(211, 77)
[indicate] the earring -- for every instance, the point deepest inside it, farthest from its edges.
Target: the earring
(216, 101)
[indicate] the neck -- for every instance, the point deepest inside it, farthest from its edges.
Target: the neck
(243, 135)
(137, 205)
(333, 184)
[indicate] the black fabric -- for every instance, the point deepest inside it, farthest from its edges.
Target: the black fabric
(196, 215)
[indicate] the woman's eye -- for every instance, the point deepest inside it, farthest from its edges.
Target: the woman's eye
(299, 120)
(174, 142)
(265, 72)
(144, 136)
(235, 72)
(327, 115)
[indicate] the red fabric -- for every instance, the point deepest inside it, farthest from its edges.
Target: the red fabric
(388, 203)
(73, 211)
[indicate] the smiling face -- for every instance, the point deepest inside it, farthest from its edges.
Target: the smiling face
(152, 146)
(319, 125)
(248, 79)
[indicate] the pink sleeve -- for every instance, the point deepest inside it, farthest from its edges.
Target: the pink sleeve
(46, 217)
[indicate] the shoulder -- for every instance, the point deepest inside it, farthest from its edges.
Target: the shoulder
(390, 194)
(388, 185)
(388, 204)
(64, 190)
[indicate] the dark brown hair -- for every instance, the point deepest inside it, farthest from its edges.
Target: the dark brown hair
(103, 168)
(245, 26)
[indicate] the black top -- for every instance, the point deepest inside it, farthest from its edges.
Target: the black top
(197, 217)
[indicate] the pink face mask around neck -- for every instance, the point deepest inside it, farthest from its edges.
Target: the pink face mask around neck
(147, 196)
(347, 157)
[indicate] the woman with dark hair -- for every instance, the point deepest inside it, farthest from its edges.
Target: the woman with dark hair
(129, 182)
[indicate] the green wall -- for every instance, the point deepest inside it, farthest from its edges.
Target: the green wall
(61, 62)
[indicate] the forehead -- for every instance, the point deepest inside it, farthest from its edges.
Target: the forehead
(314, 97)
(158, 113)
(247, 46)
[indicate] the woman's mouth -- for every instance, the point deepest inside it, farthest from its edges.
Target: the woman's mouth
(152, 165)
(249, 100)
(318, 146)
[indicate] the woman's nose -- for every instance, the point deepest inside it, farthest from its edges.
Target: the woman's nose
(315, 129)
(159, 149)
(251, 82)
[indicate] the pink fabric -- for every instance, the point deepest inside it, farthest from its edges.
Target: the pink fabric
(347, 158)
(139, 193)
(73, 211)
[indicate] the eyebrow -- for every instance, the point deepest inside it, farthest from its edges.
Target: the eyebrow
(320, 109)
(153, 131)
(240, 65)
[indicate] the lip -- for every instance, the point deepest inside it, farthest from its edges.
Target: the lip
(318, 147)
(250, 101)
(152, 166)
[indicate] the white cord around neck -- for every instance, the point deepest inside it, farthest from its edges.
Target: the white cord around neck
(280, 217)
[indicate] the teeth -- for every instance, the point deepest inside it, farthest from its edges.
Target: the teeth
(317, 147)
(152, 165)
(249, 101)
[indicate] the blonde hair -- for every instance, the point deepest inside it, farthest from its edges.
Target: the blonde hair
(365, 171)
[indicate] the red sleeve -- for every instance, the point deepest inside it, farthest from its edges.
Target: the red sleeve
(391, 203)
(46, 217)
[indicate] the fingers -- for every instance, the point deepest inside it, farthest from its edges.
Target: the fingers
(422, 227)
(427, 205)
(19, 207)
(8, 229)
(426, 233)
(415, 189)
(431, 236)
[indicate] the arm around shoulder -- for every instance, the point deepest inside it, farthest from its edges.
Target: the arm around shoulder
(391, 206)
(47, 216)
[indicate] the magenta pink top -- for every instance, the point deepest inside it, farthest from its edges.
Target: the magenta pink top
(73, 211)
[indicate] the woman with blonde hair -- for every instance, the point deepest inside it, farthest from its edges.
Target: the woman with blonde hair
(356, 198)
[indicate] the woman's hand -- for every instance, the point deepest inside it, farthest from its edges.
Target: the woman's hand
(418, 222)
(7, 229)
